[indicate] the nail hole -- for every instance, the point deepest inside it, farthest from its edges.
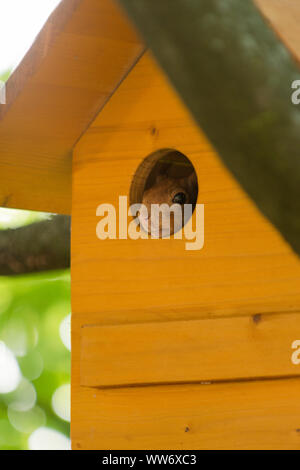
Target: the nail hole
(256, 318)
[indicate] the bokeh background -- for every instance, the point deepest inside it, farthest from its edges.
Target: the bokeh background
(34, 308)
(34, 354)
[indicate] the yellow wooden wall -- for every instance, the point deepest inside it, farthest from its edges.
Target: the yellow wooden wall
(174, 348)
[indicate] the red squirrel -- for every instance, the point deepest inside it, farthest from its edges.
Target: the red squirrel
(168, 191)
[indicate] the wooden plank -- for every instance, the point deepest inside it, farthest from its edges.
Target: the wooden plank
(247, 415)
(78, 59)
(189, 351)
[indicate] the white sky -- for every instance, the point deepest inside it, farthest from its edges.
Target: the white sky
(20, 22)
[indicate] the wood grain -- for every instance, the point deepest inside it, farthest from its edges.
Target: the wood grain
(245, 266)
(76, 62)
(241, 290)
(249, 415)
(244, 269)
(188, 351)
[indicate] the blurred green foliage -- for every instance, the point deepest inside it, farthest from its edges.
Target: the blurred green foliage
(4, 76)
(33, 312)
(13, 218)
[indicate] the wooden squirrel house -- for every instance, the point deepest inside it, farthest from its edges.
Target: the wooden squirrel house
(171, 348)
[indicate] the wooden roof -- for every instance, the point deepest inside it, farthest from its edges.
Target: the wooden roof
(77, 61)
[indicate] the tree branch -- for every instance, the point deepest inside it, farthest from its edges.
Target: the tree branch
(235, 76)
(40, 246)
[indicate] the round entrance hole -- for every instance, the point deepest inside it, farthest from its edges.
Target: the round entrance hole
(166, 186)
